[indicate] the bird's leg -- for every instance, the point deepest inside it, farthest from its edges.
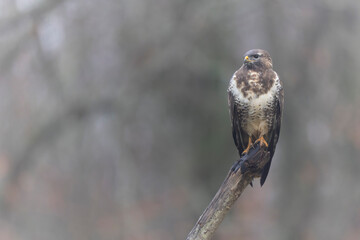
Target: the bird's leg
(248, 147)
(262, 141)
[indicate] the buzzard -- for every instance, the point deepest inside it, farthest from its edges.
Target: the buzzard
(256, 99)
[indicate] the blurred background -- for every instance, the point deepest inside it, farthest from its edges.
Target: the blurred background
(114, 119)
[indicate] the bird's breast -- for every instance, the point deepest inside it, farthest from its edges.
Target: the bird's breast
(252, 91)
(255, 107)
(259, 109)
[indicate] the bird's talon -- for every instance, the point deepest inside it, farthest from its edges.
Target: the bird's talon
(262, 142)
(250, 145)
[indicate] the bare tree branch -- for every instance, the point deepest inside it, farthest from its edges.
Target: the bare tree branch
(75, 111)
(240, 175)
(34, 14)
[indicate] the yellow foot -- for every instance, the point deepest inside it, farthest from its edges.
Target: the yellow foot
(248, 147)
(262, 142)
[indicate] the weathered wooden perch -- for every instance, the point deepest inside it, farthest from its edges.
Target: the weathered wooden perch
(240, 175)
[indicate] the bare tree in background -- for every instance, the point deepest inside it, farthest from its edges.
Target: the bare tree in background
(114, 121)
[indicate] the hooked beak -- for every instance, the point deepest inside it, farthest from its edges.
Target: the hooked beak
(247, 59)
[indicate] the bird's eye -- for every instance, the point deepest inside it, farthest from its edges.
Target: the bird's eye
(256, 56)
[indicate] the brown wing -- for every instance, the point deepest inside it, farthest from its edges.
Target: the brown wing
(275, 130)
(240, 137)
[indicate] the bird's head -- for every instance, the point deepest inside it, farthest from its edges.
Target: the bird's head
(257, 58)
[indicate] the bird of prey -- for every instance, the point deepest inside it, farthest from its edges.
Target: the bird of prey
(256, 99)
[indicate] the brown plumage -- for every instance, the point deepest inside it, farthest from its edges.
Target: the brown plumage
(256, 100)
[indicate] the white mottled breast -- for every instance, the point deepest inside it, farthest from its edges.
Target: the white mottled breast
(255, 122)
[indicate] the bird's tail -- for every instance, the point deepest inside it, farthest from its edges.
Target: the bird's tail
(265, 172)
